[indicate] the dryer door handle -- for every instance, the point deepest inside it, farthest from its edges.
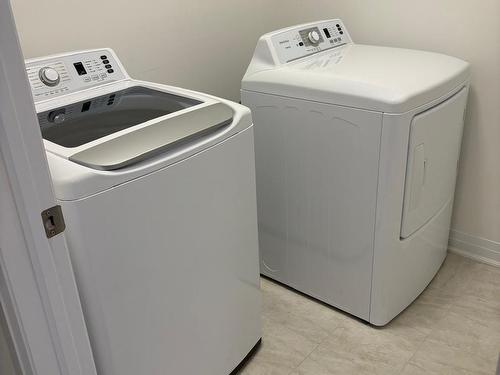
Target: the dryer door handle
(418, 177)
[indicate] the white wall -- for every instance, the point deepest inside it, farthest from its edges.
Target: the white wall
(202, 45)
(156, 40)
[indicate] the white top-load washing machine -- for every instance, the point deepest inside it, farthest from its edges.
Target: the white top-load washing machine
(157, 189)
(356, 155)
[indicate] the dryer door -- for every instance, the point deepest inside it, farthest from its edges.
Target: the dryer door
(433, 154)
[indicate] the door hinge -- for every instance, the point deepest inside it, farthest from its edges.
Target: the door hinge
(53, 221)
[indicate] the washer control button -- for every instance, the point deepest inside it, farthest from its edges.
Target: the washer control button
(57, 116)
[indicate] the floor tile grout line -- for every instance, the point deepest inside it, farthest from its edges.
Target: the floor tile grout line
(426, 336)
(451, 293)
(307, 356)
(448, 310)
(414, 353)
(316, 347)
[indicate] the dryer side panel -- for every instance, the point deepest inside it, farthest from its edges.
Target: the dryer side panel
(317, 171)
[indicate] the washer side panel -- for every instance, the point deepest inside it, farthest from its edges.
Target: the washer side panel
(167, 265)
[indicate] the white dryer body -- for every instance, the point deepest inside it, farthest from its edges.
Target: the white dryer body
(356, 155)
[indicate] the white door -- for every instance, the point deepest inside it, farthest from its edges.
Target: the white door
(38, 294)
(433, 152)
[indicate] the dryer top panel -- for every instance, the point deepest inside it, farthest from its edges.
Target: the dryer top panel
(384, 79)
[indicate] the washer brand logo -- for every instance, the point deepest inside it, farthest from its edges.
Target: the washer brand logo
(285, 41)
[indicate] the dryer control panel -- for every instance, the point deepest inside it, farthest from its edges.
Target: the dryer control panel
(56, 75)
(300, 41)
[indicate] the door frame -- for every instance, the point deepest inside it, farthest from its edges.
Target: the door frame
(38, 292)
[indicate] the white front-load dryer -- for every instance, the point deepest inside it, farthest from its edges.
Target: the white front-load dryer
(157, 189)
(356, 154)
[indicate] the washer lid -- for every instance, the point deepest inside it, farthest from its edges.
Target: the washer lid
(155, 139)
(130, 125)
(76, 124)
(384, 79)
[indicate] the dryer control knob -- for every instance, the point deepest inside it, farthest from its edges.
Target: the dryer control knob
(49, 76)
(313, 37)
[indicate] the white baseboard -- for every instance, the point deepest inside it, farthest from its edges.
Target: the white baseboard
(477, 248)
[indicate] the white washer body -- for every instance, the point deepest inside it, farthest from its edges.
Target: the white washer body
(356, 154)
(165, 249)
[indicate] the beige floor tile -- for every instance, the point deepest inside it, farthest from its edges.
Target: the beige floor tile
(439, 297)
(355, 347)
(434, 354)
(469, 334)
(281, 350)
(433, 368)
(483, 281)
(343, 365)
(259, 367)
(480, 297)
(423, 315)
(452, 328)
(478, 308)
(404, 336)
(299, 313)
(452, 276)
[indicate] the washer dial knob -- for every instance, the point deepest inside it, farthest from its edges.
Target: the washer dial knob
(313, 37)
(49, 76)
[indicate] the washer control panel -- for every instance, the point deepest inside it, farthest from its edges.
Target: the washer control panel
(302, 41)
(100, 104)
(62, 74)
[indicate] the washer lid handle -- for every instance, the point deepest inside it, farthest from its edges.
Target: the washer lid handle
(157, 138)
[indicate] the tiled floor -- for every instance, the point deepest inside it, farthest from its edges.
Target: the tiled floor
(452, 328)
